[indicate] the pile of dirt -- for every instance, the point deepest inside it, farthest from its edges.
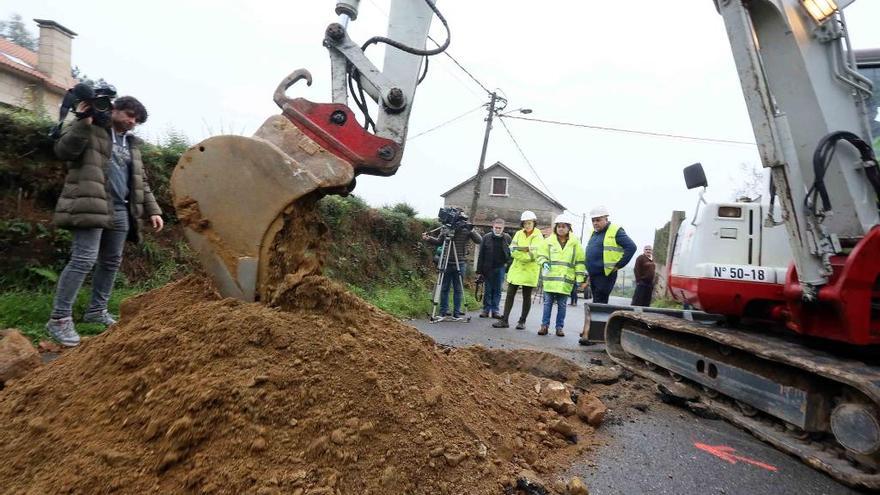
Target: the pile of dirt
(191, 393)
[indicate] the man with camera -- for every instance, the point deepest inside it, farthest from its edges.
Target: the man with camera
(105, 196)
(455, 231)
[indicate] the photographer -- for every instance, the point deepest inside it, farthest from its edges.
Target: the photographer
(461, 233)
(105, 196)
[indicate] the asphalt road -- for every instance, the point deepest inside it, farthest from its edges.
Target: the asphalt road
(667, 450)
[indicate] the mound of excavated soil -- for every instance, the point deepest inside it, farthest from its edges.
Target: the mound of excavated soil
(191, 393)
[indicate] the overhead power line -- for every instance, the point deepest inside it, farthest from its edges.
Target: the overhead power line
(445, 123)
(633, 131)
(456, 62)
(528, 162)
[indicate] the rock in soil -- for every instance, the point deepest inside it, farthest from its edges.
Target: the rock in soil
(576, 487)
(17, 356)
(591, 410)
(556, 396)
(603, 374)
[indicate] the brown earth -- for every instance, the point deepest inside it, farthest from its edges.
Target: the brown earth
(195, 394)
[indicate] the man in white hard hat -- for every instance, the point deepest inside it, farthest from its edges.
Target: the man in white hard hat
(608, 250)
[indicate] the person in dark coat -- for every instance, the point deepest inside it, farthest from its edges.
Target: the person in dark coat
(608, 250)
(492, 262)
(104, 200)
(644, 274)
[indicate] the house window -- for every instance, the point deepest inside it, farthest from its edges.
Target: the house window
(499, 186)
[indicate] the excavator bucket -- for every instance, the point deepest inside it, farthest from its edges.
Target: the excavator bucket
(232, 193)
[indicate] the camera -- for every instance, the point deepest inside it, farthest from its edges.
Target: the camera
(100, 100)
(454, 218)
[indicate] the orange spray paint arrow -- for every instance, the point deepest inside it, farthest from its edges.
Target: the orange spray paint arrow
(726, 453)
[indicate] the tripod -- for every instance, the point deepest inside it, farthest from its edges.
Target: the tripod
(447, 249)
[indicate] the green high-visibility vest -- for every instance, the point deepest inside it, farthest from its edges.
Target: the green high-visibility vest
(566, 265)
(612, 253)
(525, 269)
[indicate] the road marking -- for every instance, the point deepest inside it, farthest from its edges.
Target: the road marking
(726, 453)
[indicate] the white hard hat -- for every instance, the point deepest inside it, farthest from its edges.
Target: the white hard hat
(599, 211)
(528, 215)
(562, 218)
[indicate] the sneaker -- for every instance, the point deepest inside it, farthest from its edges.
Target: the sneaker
(103, 317)
(501, 324)
(559, 332)
(543, 330)
(520, 325)
(497, 316)
(484, 314)
(63, 331)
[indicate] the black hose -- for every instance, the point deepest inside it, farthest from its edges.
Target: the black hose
(822, 160)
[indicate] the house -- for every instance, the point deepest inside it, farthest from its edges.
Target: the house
(503, 194)
(37, 80)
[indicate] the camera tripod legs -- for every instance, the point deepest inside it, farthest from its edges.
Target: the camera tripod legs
(443, 263)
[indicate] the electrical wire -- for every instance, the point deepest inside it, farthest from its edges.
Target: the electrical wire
(438, 126)
(457, 63)
(632, 131)
(528, 162)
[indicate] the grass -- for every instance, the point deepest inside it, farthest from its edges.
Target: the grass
(409, 301)
(28, 311)
(666, 303)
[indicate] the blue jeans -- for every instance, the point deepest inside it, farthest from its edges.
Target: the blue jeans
(101, 247)
(452, 276)
(492, 297)
(560, 300)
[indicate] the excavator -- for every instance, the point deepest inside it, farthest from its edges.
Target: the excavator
(795, 366)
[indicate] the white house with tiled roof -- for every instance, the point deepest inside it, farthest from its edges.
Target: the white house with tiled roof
(37, 80)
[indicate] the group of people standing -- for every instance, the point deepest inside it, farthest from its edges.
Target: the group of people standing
(558, 262)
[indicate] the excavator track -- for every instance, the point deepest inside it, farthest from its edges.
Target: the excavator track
(819, 407)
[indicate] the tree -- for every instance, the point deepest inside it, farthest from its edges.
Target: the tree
(753, 183)
(15, 31)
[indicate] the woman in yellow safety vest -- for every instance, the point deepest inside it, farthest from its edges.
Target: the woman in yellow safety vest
(525, 270)
(562, 261)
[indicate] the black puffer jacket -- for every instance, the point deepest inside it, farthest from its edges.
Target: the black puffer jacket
(86, 200)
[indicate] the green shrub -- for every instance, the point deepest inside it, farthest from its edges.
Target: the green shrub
(404, 209)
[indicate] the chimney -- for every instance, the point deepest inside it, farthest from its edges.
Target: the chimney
(53, 54)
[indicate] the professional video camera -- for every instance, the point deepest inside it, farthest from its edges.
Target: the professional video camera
(454, 218)
(100, 100)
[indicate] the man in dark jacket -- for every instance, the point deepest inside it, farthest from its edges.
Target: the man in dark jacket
(644, 275)
(454, 271)
(491, 265)
(105, 196)
(608, 250)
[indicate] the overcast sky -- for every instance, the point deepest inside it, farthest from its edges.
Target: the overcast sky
(207, 67)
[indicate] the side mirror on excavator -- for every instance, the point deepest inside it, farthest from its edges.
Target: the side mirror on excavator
(694, 176)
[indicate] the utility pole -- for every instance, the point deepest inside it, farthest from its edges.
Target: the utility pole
(479, 177)
(583, 224)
